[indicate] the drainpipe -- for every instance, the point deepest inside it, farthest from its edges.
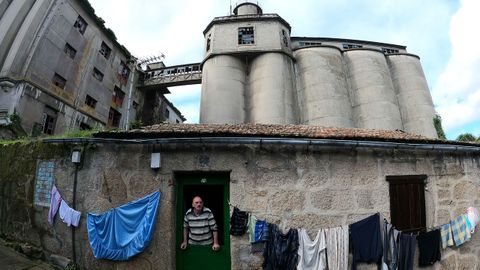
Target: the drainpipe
(130, 94)
(76, 157)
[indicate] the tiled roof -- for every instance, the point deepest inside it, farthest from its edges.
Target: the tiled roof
(265, 130)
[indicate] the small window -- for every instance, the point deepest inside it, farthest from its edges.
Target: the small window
(245, 35)
(351, 46)
(176, 121)
(59, 81)
(123, 73)
(105, 50)
(114, 118)
(135, 105)
(81, 25)
(389, 50)
(69, 50)
(284, 38)
(97, 74)
(91, 102)
(118, 96)
(167, 113)
(407, 202)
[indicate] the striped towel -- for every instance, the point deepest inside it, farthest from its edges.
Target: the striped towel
(460, 232)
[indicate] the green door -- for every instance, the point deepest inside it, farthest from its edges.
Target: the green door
(214, 190)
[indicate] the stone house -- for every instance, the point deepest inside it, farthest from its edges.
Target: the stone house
(295, 176)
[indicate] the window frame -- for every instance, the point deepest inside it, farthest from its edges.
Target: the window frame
(243, 35)
(97, 74)
(90, 101)
(105, 50)
(69, 50)
(59, 81)
(415, 207)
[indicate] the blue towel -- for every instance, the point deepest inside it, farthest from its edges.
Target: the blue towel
(125, 231)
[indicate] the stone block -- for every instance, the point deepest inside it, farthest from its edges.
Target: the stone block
(444, 194)
(448, 262)
(467, 262)
(286, 200)
(314, 222)
(334, 199)
(364, 199)
(465, 191)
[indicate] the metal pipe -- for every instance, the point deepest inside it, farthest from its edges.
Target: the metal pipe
(74, 257)
(280, 141)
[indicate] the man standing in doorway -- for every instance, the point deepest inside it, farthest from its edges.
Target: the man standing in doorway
(199, 226)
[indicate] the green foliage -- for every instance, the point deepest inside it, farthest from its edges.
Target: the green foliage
(72, 266)
(15, 119)
(466, 137)
(137, 123)
(437, 123)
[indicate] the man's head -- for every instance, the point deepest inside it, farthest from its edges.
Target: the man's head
(197, 203)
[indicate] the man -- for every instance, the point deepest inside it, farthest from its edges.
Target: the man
(199, 226)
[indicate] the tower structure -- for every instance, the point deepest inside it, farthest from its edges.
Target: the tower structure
(254, 72)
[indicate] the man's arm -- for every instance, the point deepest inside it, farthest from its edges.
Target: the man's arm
(185, 238)
(215, 246)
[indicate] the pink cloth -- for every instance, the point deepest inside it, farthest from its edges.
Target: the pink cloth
(55, 200)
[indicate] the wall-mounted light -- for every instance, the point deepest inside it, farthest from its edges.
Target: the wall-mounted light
(76, 155)
(155, 161)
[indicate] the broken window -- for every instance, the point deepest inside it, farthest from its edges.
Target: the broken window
(123, 73)
(69, 50)
(48, 123)
(59, 81)
(245, 35)
(118, 96)
(114, 118)
(84, 126)
(389, 50)
(310, 43)
(105, 50)
(407, 202)
(81, 25)
(90, 101)
(97, 74)
(351, 46)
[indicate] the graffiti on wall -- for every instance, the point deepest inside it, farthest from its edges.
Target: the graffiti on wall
(43, 183)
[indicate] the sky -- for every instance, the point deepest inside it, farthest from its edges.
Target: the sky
(441, 32)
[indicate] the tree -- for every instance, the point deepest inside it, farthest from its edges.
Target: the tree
(466, 137)
(437, 123)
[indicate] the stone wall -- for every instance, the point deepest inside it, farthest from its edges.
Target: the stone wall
(292, 186)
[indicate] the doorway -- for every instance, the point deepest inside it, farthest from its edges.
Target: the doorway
(214, 191)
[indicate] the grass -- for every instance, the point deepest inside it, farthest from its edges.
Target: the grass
(70, 134)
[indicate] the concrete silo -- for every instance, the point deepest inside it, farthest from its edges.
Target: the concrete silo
(373, 96)
(322, 87)
(416, 105)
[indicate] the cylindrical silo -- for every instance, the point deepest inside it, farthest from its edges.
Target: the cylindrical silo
(322, 87)
(415, 101)
(271, 97)
(373, 96)
(223, 86)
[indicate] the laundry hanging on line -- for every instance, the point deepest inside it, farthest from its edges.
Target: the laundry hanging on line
(68, 215)
(125, 231)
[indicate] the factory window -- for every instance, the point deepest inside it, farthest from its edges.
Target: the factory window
(81, 25)
(407, 202)
(167, 113)
(310, 43)
(245, 35)
(118, 96)
(114, 118)
(105, 50)
(389, 50)
(84, 126)
(208, 43)
(48, 121)
(59, 81)
(351, 46)
(284, 38)
(91, 102)
(97, 74)
(123, 73)
(69, 50)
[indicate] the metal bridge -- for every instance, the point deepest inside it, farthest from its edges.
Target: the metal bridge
(172, 76)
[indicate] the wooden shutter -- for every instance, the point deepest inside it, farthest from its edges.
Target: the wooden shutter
(407, 202)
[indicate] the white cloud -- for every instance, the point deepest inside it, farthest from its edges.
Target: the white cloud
(457, 90)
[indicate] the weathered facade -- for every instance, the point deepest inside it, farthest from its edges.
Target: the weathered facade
(61, 69)
(294, 176)
(255, 72)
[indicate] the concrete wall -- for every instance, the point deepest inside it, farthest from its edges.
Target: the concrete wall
(313, 188)
(32, 51)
